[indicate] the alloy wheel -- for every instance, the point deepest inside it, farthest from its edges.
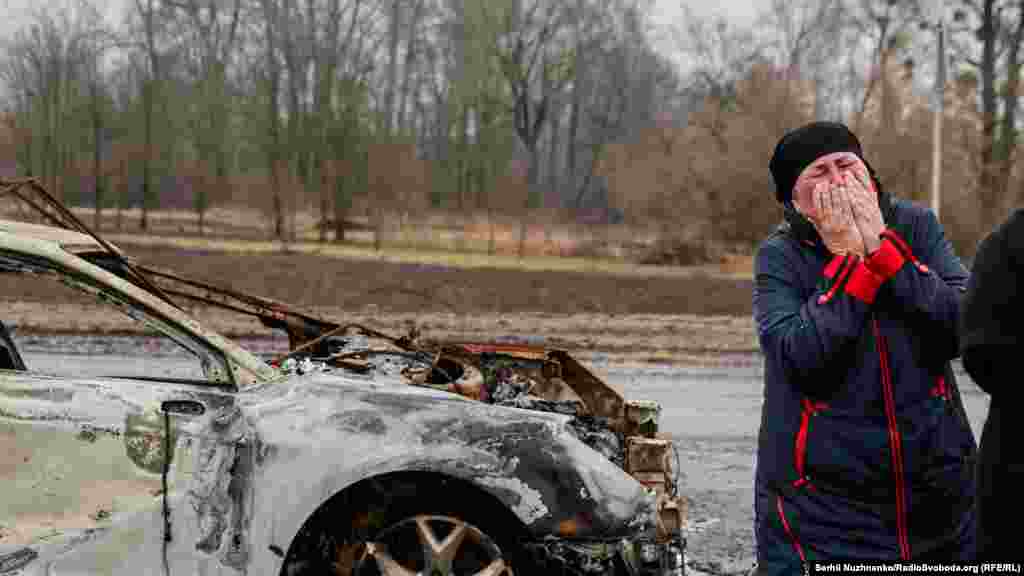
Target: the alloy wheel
(426, 545)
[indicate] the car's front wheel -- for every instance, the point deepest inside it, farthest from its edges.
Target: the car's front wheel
(427, 545)
(410, 524)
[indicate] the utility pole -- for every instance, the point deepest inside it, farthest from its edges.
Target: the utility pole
(939, 109)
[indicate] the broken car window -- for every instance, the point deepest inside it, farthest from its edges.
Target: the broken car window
(128, 339)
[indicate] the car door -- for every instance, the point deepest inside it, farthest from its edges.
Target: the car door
(85, 464)
(98, 434)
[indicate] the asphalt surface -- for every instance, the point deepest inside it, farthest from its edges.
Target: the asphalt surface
(711, 414)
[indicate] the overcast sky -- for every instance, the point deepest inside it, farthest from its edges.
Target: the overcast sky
(14, 13)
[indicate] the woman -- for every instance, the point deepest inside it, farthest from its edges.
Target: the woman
(863, 452)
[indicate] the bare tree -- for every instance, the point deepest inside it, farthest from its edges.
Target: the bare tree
(535, 68)
(272, 84)
(212, 35)
(148, 13)
(97, 114)
(326, 57)
(51, 71)
(987, 37)
(805, 29)
(623, 89)
(1007, 142)
(590, 31)
(722, 54)
(889, 24)
(410, 88)
(394, 30)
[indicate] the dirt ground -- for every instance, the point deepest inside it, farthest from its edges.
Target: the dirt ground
(695, 318)
(310, 280)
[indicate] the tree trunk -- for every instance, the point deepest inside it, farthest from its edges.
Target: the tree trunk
(341, 195)
(97, 158)
(279, 211)
(571, 150)
(327, 162)
(553, 172)
(1008, 131)
(989, 194)
(149, 97)
(202, 221)
(410, 53)
(326, 177)
(491, 244)
(273, 79)
(295, 113)
(147, 160)
(339, 229)
(463, 161)
(535, 195)
(378, 226)
(393, 32)
(122, 181)
(522, 235)
(880, 51)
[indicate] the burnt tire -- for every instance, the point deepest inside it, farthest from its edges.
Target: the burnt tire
(395, 519)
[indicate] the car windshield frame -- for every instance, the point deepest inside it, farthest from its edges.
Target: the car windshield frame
(240, 368)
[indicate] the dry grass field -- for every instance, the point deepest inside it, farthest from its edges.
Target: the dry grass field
(595, 305)
(471, 240)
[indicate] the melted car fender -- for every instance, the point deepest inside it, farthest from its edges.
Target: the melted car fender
(527, 460)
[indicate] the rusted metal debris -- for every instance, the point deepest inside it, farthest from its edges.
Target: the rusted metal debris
(536, 378)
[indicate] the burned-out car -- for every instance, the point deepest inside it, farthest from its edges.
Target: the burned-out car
(355, 453)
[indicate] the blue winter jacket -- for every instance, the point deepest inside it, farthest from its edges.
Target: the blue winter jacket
(864, 450)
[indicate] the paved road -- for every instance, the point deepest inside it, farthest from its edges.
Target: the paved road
(712, 415)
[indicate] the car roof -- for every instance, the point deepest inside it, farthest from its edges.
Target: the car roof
(69, 240)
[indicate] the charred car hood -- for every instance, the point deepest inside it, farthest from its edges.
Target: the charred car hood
(366, 428)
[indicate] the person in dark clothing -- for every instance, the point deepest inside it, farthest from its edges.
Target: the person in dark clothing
(990, 341)
(864, 449)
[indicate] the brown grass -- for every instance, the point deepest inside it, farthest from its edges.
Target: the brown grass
(473, 285)
(690, 318)
(737, 267)
(464, 240)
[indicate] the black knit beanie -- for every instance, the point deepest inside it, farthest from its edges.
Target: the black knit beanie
(799, 148)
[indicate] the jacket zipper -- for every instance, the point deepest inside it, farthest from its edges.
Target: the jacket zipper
(844, 270)
(789, 531)
(803, 480)
(895, 444)
(808, 409)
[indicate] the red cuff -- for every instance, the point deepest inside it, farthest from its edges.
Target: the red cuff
(904, 249)
(887, 260)
(863, 284)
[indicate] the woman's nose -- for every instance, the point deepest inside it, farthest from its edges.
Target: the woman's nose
(835, 176)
